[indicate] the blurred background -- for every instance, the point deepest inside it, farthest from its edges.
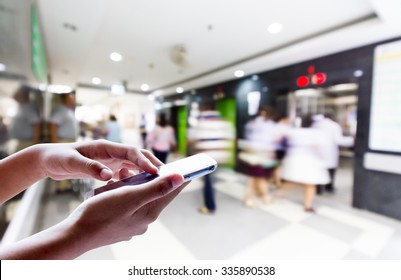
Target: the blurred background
(298, 102)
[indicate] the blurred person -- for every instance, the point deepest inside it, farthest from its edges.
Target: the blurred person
(64, 126)
(113, 129)
(4, 137)
(104, 219)
(26, 124)
(98, 132)
(258, 155)
(283, 125)
(143, 129)
(161, 140)
(214, 136)
(333, 139)
(303, 163)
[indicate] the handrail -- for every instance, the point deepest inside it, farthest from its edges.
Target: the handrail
(24, 221)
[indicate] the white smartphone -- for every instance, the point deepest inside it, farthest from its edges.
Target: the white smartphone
(190, 168)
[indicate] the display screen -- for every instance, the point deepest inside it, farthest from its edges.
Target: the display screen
(385, 118)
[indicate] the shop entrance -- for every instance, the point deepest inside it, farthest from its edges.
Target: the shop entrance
(340, 101)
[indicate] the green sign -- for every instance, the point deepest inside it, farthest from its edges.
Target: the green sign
(39, 61)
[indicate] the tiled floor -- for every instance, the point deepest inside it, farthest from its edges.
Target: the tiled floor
(281, 230)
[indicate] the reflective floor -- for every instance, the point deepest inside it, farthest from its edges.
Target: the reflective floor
(280, 230)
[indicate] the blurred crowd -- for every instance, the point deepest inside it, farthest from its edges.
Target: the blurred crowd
(304, 151)
(274, 149)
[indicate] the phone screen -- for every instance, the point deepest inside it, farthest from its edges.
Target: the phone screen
(138, 179)
(190, 168)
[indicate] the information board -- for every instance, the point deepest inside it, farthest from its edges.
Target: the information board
(385, 118)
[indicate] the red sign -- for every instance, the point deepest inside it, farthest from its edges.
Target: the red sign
(314, 79)
(303, 81)
(318, 78)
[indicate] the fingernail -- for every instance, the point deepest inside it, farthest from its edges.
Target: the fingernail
(106, 174)
(176, 181)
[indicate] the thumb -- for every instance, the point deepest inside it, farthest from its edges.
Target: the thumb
(155, 189)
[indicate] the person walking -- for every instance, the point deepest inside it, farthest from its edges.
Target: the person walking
(303, 163)
(161, 140)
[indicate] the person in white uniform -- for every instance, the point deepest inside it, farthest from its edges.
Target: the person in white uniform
(303, 162)
(332, 140)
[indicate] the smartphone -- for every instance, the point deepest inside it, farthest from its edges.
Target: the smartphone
(190, 168)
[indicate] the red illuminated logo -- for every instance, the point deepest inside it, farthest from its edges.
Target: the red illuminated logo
(318, 78)
(312, 78)
(303, 81)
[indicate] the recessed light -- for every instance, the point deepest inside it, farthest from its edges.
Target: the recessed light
(239, 73)
(2, 67)
(96, 81)
(358, 73)
(275, 28)
(145, 87)
(179, 90)
(117, 89)
(115, 56)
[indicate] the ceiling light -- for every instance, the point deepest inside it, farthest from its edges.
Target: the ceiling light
(2, 67)
(157, 92)
(116, 56)
(275, 28)
(179, 90)
(117, 90)
(96, 81)
(343, 87)
(59, 89)
(239, 73)
(145, 87)
(358, 73)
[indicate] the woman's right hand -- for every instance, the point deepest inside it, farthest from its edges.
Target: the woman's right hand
(122, 213)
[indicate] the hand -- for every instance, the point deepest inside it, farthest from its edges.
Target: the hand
(101, 220)
(120, 214)
(98, 159)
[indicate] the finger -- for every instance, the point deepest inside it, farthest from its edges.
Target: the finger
(90, 168)
(154, 160)
(158, 188)
(123, 173)
(105, 151)
(144, 159)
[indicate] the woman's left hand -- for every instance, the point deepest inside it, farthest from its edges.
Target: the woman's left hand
(98, 159)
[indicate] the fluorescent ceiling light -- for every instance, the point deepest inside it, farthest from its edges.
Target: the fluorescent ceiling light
(115, 56)
(60, 89)
(2, 67)
(239, 73)
(145, 87)
(179, 90)
(343, 87)
(307, 92)
(275, 28)
(96, 81)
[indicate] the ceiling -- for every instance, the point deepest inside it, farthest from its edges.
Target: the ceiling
(219, 37)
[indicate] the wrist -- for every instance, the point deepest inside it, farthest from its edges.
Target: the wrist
(37, 155)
